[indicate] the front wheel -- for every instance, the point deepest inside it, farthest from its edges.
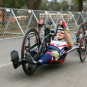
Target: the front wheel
(30, 44)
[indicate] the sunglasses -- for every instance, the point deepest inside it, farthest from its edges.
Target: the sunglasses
(61, 31)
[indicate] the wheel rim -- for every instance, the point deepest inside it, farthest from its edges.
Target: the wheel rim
(30, 42)
(83, 49)
(85, 26)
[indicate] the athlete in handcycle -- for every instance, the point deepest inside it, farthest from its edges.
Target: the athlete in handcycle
(45, 51)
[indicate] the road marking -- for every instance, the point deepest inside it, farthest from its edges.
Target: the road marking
(1, 66)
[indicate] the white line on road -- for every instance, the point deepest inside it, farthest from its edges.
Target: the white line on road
(1, 66)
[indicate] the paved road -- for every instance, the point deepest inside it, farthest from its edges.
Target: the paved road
(72, 73)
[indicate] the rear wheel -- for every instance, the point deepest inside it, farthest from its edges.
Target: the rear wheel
(80, 33)
(85, 27)
(30, 43)
(82, 49)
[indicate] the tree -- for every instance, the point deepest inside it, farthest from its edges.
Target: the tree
(34, 4)
(44, 5)
(14, 3)
(64, 5)
(31, 4)
(80, 6)
(54, 5)
(1, 3)
(79, 3)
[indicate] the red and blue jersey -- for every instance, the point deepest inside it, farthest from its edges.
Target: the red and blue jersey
(55, 52)
(58, 44)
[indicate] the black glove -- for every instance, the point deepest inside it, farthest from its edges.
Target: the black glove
(63, 27)
(40, 24)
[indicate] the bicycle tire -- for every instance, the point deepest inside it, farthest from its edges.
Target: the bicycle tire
(80, 33)
(85, 26)
(82, 52)
(31, 36)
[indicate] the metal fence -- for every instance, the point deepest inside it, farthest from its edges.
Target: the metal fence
(15, 22)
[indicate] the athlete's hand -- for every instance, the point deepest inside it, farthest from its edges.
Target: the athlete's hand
(40, 23)
(63, 25)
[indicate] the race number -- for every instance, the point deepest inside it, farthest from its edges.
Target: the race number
(55, 55)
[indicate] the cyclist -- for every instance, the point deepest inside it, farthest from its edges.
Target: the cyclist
(63, 43)
(54, 52)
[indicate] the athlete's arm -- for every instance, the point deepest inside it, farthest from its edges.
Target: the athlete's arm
(68, 40)
(40, 24)
(67, 37)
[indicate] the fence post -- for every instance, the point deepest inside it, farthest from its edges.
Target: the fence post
(34, 15)
(29, 19)
(62, 18)
(51, 19)
(81, 16)
(7, 24)
(74, 19)
(17, 21)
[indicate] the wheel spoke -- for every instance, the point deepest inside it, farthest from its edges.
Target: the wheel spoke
(30, 43)
(82, 52)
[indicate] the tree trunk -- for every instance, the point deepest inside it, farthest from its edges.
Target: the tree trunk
(33, 4)
(29, 4)
(80, 7)
(1, 3)
(37, 4)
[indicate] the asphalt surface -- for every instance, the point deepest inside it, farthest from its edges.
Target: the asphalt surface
(71, 73)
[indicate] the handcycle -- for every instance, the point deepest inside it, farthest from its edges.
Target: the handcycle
(32, 43)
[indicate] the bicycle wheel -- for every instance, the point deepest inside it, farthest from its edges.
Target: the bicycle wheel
(85, 26)
(82, 52)
(80, 33)
(30, 43)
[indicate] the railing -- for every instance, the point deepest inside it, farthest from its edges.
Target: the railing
(15, 22)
